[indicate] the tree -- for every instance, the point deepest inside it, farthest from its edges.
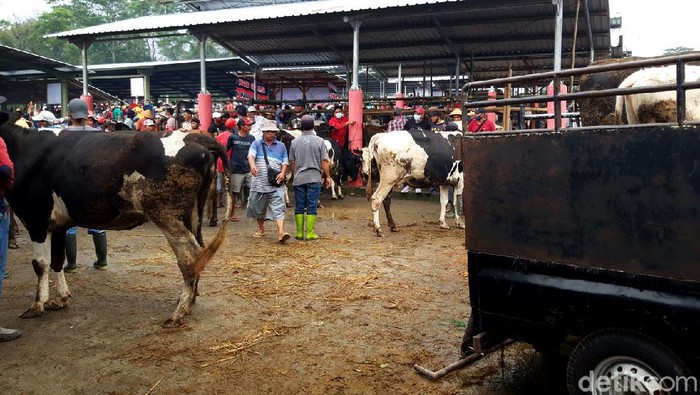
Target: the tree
(74, 14)
(676, 50)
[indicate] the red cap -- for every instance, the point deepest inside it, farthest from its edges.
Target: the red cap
(230, 123)
(247, 121)
(420, 110)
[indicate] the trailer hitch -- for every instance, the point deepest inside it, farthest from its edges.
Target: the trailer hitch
(468, 359)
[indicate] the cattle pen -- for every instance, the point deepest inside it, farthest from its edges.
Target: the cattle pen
(582, 241)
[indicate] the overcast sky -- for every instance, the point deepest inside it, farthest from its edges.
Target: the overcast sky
(649, 26)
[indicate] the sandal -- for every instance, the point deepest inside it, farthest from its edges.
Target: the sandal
(258, 234)
(284, 238)
(234, 218)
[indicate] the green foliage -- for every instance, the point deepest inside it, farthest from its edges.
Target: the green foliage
(673, 51)
(67, 15)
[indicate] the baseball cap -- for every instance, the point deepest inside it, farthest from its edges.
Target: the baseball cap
(230, 123)
(149, 122)
(216, 115)
(244, 121)
(420, 110)
(78, 109)
(252, 109)
(298, 102)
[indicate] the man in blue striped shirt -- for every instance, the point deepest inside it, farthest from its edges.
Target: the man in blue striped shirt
(267, 200)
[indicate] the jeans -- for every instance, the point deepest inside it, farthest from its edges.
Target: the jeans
(306, 198)
(4, 235)
(74, 231)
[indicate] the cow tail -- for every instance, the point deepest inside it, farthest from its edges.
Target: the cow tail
(368, 190)
(207, 253)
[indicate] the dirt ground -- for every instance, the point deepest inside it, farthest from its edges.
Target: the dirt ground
(348, 314)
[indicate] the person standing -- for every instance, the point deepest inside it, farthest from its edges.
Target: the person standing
(238, 144)
(480, 123)
(222, 138)
(308, 158)
(340, 124)
(418, 121)
(265, 197)
(399, 121)
(456, 118)
(78, 113)
(6, 178)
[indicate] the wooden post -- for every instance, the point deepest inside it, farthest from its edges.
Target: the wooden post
(508, 93)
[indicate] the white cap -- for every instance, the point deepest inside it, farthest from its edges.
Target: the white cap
(252, 109)
(216, 115)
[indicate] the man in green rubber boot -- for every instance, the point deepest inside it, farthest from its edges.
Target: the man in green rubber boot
(308, 159)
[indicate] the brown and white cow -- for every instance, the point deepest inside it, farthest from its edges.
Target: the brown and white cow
(657, 107)
(417, 157)
(114, 181)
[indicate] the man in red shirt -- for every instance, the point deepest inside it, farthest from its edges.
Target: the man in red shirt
(222, 138)
(340, 124)
(480, 123)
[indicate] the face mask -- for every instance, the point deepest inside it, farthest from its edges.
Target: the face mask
(417, 117)
(339, 115)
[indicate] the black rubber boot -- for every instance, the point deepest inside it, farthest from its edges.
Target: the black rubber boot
(71, 254)
(100, 240)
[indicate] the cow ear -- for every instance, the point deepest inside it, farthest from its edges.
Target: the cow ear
(4, 117)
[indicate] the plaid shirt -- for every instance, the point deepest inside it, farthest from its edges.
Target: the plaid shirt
(396, 124)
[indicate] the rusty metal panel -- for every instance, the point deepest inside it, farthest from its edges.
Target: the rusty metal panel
(614, 199)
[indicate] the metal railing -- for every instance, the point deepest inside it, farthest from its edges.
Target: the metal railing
(681, 86)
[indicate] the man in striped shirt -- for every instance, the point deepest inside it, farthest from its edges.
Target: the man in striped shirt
(265, 197)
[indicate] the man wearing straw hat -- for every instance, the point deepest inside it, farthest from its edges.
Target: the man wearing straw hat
(267, 200)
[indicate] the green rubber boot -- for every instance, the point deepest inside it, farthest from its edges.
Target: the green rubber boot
(71, 254)
(310, 225)
(299, 218)
(100, 240)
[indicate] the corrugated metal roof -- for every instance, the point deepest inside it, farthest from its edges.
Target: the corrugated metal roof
(247, 14)
(487, 36)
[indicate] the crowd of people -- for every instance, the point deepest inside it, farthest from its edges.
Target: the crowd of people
(259, 162)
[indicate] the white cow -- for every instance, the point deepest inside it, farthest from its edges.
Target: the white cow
(418, 158)
(657, 107)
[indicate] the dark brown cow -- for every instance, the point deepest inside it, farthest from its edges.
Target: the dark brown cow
(115, 181)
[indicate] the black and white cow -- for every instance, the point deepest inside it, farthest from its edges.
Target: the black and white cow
(417, 157)
(657, 107)
(343, 165)
(114, 181)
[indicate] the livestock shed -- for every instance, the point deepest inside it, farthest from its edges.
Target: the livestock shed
(473, 40)
(24, 77)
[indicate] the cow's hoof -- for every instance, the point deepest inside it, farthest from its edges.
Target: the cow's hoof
(444, 226)
(53, 305)
(341, 197)
(172, 323)
(213, 222)
(334, 198)
(394, 229)
(461, 226)
(32, 313)
(379, 233)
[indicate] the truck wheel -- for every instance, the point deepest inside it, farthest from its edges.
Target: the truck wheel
(621, 361)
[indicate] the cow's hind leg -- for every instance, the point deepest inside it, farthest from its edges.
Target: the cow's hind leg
(185, 247)
(387, 210)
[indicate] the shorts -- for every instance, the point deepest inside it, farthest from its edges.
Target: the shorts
(238, 180)
(268, 205)
(220, 182)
